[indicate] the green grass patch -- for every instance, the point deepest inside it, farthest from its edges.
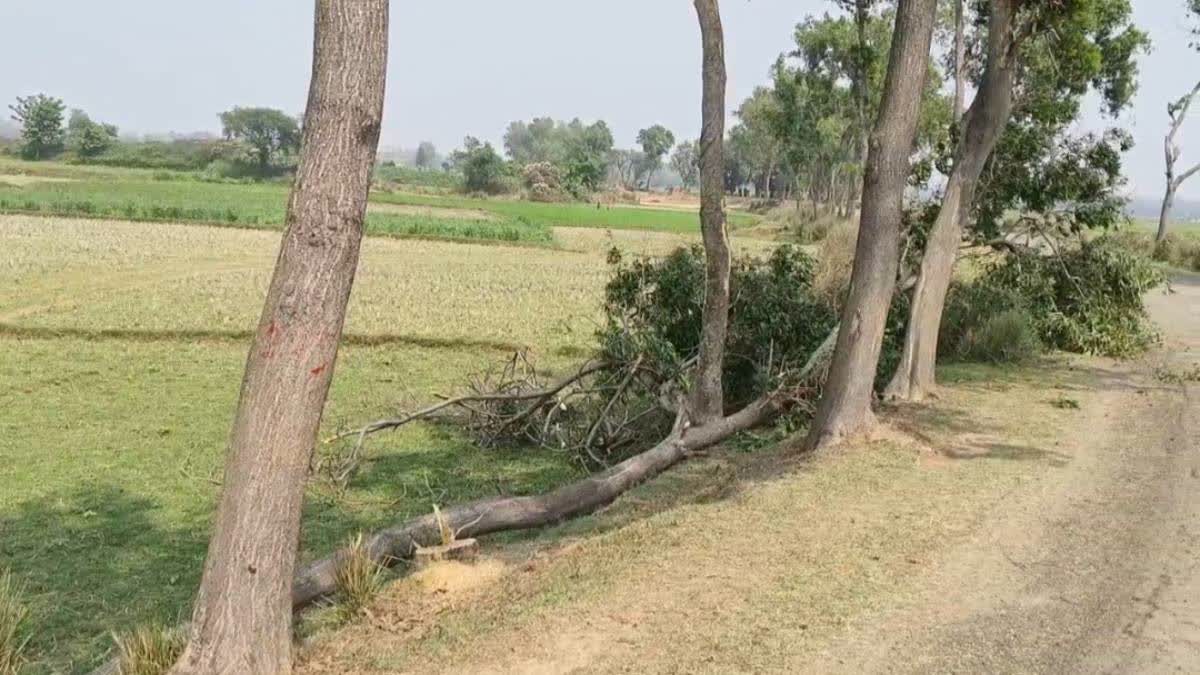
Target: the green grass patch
(570, 215)
(254, 205)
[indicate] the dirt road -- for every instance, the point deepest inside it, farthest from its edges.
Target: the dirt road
(1099, 572)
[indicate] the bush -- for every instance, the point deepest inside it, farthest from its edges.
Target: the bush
(1179, 250)
(776, 320)
(544, 183)
(1088, 301)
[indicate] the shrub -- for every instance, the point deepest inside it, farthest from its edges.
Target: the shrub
(1088, 300)
(654, 308)
(14, 615)
(148, 650)
(1179, 250)
(544, 183)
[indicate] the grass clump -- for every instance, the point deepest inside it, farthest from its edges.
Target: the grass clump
(358, 578)
(1006, 337)
(14, 617)
(149, 650)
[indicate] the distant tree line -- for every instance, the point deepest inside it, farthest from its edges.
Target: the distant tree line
(255, 142)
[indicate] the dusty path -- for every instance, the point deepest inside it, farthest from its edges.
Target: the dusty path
(1097, 573)
(1044, 522)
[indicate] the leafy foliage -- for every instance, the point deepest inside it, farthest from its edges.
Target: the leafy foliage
(86, 138)
(580, 151)
(656, 142)
(483, 170)
(41, 120)
(654, 308)
(268, 131)
(1086, 300)
(686, 162)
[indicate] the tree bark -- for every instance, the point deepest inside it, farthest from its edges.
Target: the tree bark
(845, 406)
(984, 124)
(707, 399)
(242, 620)
(960, 59)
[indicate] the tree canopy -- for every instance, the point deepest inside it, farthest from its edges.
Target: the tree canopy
(41, 120)
(267, 131)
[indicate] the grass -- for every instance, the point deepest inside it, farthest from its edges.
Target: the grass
(358, 578)
(52, 188)
(736, 562)
(14, 615)
(569, 215)
(254, 205)
(123, 347)
(149, 650)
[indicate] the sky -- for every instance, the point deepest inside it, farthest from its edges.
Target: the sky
(460, 67)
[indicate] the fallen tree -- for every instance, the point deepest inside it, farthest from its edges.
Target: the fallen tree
(506, 514)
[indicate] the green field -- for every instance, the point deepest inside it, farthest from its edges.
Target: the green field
(617, 217)
(254, 205)
(123, 349)
(49, 188)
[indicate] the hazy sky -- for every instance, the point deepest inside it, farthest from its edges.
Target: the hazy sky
(461, 66)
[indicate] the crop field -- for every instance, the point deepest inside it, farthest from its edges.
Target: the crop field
(162, 196)
(123, 347)
(241, 205)
(570, 215)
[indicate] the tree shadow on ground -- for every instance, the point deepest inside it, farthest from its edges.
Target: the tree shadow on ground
(94, 560)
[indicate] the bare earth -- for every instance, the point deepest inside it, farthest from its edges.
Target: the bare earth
(1044, 523)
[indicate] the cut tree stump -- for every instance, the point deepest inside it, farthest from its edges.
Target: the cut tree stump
(463, 550)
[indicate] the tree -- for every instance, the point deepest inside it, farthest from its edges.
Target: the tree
(86, 138)
(41, 120)
(1027, 45)
(623, 165)
(656, 141)
(1177, 111)
(266, 130)
(426, 156)
(585, 161)
(483, 170)
(242, 621)
(686, 162)
(707, 398)
(845, 406)
(752, 140)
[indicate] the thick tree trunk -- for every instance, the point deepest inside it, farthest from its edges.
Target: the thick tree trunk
(845, 406)
(707, 400)
(960, 59)
(984, 124)
(242, 618)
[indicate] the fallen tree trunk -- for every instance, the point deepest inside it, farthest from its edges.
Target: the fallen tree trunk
(507, 514)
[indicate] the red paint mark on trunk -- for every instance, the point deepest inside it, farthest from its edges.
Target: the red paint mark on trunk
(318, 370)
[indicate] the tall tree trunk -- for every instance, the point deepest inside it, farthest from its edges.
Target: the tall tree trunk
(1178, 112)
(242, 618)
(845, 406)
(1164, 216)
(960, 60)
(862, 91)
(707, 400)
(984, 124)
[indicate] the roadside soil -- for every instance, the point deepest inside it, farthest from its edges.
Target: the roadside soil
(1037, 521)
